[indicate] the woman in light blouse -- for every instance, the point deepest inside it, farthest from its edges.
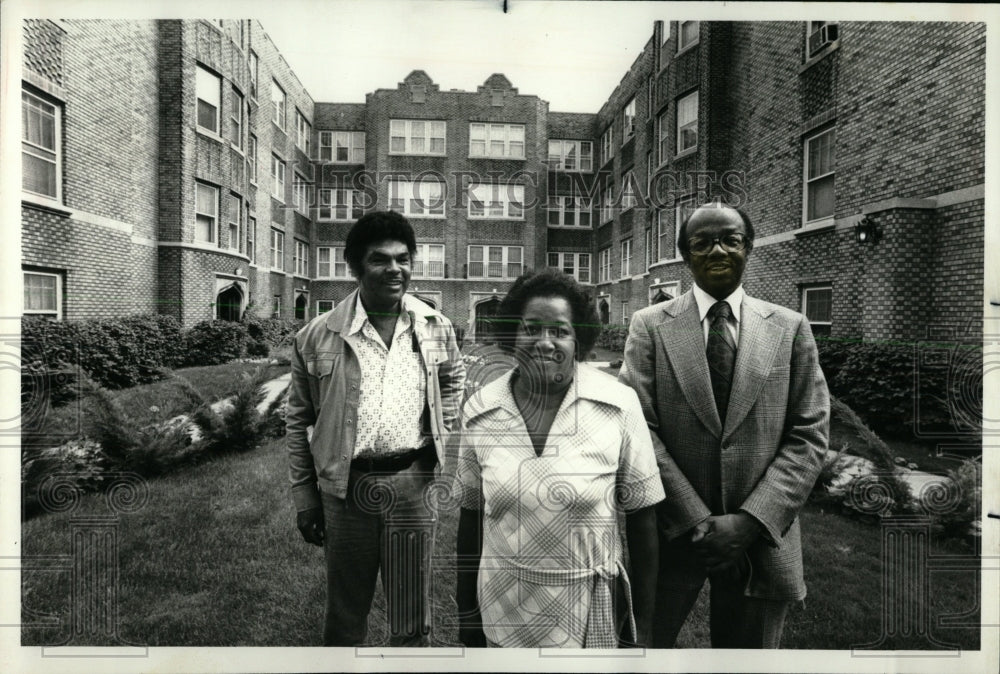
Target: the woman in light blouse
(551, 454)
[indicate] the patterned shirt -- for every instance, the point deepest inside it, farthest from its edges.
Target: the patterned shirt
(393, 387)
(551, 522)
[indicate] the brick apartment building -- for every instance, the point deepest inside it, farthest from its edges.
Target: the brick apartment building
(192, 174)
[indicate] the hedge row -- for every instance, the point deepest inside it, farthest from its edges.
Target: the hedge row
(123, 352)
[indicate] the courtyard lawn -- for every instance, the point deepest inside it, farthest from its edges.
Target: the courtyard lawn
(214, 559)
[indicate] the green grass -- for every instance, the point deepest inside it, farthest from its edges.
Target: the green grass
(214, 559)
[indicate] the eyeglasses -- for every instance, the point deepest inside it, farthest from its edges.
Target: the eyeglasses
(731, 243)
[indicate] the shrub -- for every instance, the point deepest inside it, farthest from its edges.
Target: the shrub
(274, 417)
(960, 510)
(215, 342)
(613, 337)
(270, 331)
(79, 462)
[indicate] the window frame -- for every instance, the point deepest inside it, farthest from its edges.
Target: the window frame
(253, 64)
(32, 149)
(607, 145)
(234, 201)
(252, 157)
(607, 207)
(806, 290)
(604, 265)
(278, 182)
(276, 307)
(505, 262)
(581, 207)
(327, 206)
(680, 128)
(629, 199)
(300, 259)
(576, 264)
(423, 259)
(625, 271)
(301, 190)
(408, 137)
(57, 312)
(628, 121)
(277, 251)
(408, 201)
(303, 133)
(663, 140)
(279, 115)
(497, 191)
(214, 228)
(319, 307)
(681, 45)
(557, 162)
(488, 128)
(251, 239)
(355, 151)
(236, 124)
(806, 180)
(332, 263)
(199, 84)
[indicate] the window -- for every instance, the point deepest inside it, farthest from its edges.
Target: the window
(503, 141)
(648, 247)
(628, 191)
(607, 147)
(277, 105)
(687, 122)
(303, 133)
(342, 147)
(429, 262)
(687, 34)
(607, 204)
(820, 34)
(819, 173)
(277, 250)
(664, 245)
(576, 265)
(604, 265)
(40, 146)
(251, 235)
(817, 305)
(323, 306)
(276, 307)
(650, 97)
(667, 237)
(301, 194)
(498, 201)
(252, 157)
(330, 262)
(571, 155)
(500, 262)
(206, 218)
(235, 221)
(626, 314)
(414, 136)
(253, 75)
(236, 119)
(278, 175)
(628, 121)
(340, 204)
(650, 170)
(43, 294)
(208, 88)
(301, 258)
(420, 199)
(569, 212)
(626, 268)
(663, 129)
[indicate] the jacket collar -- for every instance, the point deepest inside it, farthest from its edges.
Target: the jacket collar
(342, 316)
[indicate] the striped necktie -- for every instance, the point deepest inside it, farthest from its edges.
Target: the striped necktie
(721, 354)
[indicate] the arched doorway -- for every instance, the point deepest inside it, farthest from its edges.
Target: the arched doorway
(605, 310)
(485, 310)
(427, 299)
(229, 304)
(301, 305)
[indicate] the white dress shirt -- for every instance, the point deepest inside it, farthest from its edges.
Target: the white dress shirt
(705, 302)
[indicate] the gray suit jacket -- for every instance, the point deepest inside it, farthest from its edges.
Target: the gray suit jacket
(769, 454)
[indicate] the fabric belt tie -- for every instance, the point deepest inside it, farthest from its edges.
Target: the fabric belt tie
(601, 630)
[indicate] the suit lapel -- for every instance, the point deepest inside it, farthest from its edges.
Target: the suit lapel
(683, 340)
(759, 342)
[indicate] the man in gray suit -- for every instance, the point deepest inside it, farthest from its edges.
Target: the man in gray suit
(739, 414)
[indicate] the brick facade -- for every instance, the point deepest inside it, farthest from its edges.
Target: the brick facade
(906, 102)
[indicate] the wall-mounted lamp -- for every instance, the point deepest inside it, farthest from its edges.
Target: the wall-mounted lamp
(866, 230)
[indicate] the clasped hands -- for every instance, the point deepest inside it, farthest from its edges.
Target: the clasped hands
(720, 541)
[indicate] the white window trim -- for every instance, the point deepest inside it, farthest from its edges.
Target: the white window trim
(333, 263)
(253, 77)
(301, 189)
(300, 258)
(626, 314)
(625, 271)
(274, 177)
(319, 305)
(604, 265)
(281, 112)
(408, 138)
(252, 157)
(58, 313)
(503, 192)
(558, 162)
(607, 145)
(677, 124)
(352, 146)
(57, 121)
(407, 187)
(576, 264)
(328, 205)
(681, 203)
(488, 141)
(276, 306)
(628, 121)
(581, 205)
(303, 133)
(217, 131)
(218, 214)
(280, 259)
(805, 306)
(629, 199)
(806, 180)
(663, 138)
(607, 208)
(504, 262)
(238, 222)
(251, 240)
(680, 31)
(423, 259)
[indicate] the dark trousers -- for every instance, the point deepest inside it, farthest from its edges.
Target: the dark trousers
(385, 524)
(736, 621)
